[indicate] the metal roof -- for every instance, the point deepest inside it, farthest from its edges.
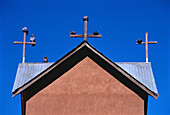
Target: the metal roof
(27, 71)
(141, 71)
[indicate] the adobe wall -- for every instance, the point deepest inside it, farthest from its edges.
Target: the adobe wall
(86, 89)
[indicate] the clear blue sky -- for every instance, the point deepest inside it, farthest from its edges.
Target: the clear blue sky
(121, 23)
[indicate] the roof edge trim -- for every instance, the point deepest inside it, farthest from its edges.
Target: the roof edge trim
(84, 43)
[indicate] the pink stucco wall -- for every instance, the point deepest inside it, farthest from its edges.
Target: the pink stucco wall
(86, 89)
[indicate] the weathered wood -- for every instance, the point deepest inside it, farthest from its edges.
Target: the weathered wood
(151, 42)
(25, 30)
(94, 36)
(85, 30)
(88, 35)
(23, 58)
(146, 46)
(85, 35)
(31, 43)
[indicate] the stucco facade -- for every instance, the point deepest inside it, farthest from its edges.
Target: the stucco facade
(85, 89)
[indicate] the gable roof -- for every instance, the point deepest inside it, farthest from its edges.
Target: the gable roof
(139, 73)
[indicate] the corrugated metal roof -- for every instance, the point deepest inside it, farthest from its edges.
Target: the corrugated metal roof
(141, 71)
(27, 71)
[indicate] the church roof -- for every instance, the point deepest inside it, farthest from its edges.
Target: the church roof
(138, 72)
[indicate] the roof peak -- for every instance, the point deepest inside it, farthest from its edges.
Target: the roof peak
(73, 57)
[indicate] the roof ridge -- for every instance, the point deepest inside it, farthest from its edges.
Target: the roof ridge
(80, 50)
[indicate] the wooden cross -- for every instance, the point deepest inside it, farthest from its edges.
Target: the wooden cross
(85, 35)
(139, 41)
(32, 38)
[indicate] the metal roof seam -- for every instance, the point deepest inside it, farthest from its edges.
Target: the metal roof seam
(136, 70)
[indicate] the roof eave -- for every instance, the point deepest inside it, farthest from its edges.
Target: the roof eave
(123, 72)
(85, 43)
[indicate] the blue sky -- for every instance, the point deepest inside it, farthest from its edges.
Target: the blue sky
(121, 23)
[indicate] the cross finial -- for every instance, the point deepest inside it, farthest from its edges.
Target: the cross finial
(139, 41)
(85, 35)
(32, 39)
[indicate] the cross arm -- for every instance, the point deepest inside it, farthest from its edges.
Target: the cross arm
(151, 42)
(32, 43)
(82, 35)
